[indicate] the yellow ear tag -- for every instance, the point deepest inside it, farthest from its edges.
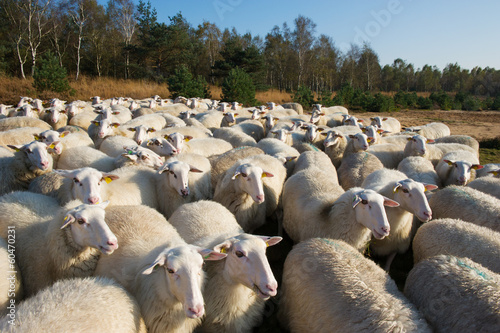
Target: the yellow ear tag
(52, 146)
(37, 138)
(223, 250)
(267, 244)
(264, 175)
(108, 180)
(65, 218)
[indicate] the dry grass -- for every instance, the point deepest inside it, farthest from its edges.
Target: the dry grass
(273, 95)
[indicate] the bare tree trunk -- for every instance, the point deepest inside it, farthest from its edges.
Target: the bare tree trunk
(21, 60)
(78, 57)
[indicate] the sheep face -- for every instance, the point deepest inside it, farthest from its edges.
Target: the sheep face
(371, 132)
(369, 210)
(37, 155)
(360, 141)
(246, 262)
(460, 172)
(417, 145)
(178, 178)
(257, 113)
(230, 117)
(249, 180)
(87, 183)
(315, 116)
(183, 275)
(410, 195)
(27, 111)
(141, 133)
(143, 156)
(177, 141)
(161, 147)
(89, 229)
(333, 138)
(96, 100)
(236, 105)
(281, 134)
(270, 121)
(104, 127)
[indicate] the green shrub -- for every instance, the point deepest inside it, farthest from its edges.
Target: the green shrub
(406, 100)
(50, 76)
(381, 103)
(325, 98)
(238, 87)
(182, 83)
(471, 103)
(304, 96)
(424, 103)
(496, 103)
(442, 99)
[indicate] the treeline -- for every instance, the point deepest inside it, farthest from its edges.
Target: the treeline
(121, 40)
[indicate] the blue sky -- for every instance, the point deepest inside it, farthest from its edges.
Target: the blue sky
(433, 32)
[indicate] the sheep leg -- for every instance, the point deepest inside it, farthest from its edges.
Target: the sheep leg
(389, 260)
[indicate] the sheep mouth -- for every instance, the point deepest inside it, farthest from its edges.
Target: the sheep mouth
(106, 250)
(260, 293)
(378, 235)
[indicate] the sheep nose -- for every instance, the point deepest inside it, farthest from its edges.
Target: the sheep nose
(386, 229)
(197, 311)
(272, 287)
(113, 243)
(185, 192)
(139, 142)
(93, 200)
(260, 198)
(44, 164)
(428, 214)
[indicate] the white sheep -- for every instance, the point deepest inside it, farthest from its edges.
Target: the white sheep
(68, 245)
(158, 268)
(98, 130)
(455, 294)
(281, 151)
(113, 145)
(235, 137)
(161, 147)
(388, 153)
(70, 306)
(356, 163)
(178, 136)
(315, 206)
(458, 238)
(334, 145)
(83, 119)
(489, 185)
(490, 170)
(29, 161)
(155, 121)
(221, 163)
(463, 139)
(412, 201)
(55, 117)
(19, 136)
(389, 124)
(237, 286)
(10, 276)
(419, 169)
(210, 119)
(467, 204)
(294, 106)
(328, 286)
(207, 147)
(18, 122)
(251, 189)
(457, 168)
(182, 179)
(316, 159)
(431, 131)
(420, 146)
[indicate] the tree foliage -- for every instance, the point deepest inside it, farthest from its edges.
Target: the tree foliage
(238, 86)
(182, 83)
(50, 76)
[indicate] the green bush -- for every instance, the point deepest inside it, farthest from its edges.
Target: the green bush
(496, 103)
(381, 103)
(406, 100)
(471, 103)
(50, 76)
(442, 99)
(182, 83)
(424, 103)
(325, 98)
(238, 87)
(361, 100)
(304, 96)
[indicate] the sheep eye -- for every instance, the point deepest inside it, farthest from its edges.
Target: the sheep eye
(29, 151)
(171, 271)
(405, 191)
(81, 221)
(364, 202)
(76, 180)
(175, 176)
(239, 254)
(143, 157)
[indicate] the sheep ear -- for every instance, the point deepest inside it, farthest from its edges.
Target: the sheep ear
(290, 158)
(63, 134)
(385, 118)
(188, 137)
(95, 123)
(159, 261)
(356, 200)
(103, 205)
(430, 187)
(396, 188)
(449, 162)
(115, 125)
(429, 141)
(360, 120)
(223, 247)
(266, 174)
(37, 137)
(369, 139)
(115, 112)
(68, 219)
(164, 168)
(131, 129)
(270, 241)
(193, 169)
(108, 178)
(390, 203)
(494, 172)
(208, 254)
(477, 166)
(372, 118)
(16, 147)
(151, 129)
(130, 156)
(53, 145)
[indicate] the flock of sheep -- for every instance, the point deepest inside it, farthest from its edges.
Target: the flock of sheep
(143, 215)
